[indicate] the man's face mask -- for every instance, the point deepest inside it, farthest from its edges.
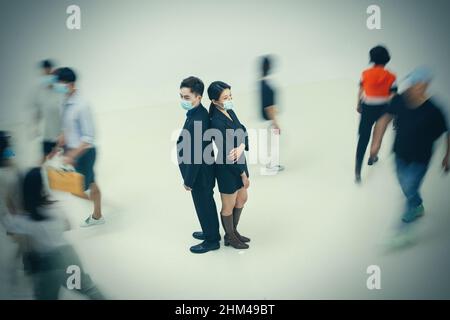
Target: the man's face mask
(48, 79)
(60, 87)
(186, 105)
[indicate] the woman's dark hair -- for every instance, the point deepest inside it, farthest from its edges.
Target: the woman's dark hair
(266, 65)
(34, 196)
(215, 89)
(195, 84)
(4, 144)
(379, 55)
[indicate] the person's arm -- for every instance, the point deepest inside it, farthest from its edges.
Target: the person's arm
(358, 104)
(193, 168)
(445, 162)
(74, 154)
(87, 135)
(378, 133)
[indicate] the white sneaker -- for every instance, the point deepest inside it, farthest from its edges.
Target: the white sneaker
(90, 221)
(268, 170)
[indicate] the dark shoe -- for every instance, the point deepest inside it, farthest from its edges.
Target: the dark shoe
(230, 238)
(199, 235)
(242, 238)
(358, 172)
(235, 243)
(236, 216)
(372, 160)
(205, 247)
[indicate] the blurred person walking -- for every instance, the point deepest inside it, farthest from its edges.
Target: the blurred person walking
(47, 106)
(377, 87)
(269, 112)
(420, 122)
(51, 255)
(78, 139)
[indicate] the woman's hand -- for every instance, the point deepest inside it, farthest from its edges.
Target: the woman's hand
(359, 108)
(236, 153)
(187, 188)
(245, 180)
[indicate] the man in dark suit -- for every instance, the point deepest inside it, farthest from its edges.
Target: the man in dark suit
(196, 165)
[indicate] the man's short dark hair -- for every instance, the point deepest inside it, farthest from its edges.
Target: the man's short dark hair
(195, 84)
(379, 55)
(47, 64)
(66, 75)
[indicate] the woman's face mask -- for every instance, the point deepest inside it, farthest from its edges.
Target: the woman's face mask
(228, 105)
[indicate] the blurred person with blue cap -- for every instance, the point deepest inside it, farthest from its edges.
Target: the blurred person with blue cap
(11, 199)
(420, 122)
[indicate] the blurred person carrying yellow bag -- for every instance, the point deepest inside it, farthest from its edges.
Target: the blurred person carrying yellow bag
(63, 177)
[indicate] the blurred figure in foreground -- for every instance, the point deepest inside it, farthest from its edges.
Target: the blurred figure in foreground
(420, 122)
(269, 112)
(10, 199)
(52, 258)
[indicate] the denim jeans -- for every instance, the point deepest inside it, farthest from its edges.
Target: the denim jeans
(410, 176)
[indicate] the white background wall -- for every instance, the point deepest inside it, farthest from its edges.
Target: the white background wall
(134, 53)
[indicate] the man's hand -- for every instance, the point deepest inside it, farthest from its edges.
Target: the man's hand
(187, 188)
(358, 108)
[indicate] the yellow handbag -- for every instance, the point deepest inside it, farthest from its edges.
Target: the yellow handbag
(66, 181)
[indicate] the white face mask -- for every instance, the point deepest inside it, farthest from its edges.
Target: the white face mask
(228, 105)
(48, 79)
(186, 105)
(60, 88)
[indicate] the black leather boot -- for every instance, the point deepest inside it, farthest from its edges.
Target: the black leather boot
(230, 238)
(236, 216)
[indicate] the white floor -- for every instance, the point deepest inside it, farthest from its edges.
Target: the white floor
(314, 232)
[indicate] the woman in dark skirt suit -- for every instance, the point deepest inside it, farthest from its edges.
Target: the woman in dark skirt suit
(232, 175)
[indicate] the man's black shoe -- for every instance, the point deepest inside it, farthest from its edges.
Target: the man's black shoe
(205, 247)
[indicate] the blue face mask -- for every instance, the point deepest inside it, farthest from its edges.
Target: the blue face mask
(228, 105)
(48, 79)
(60, 88)
(186, 105)
(8, 153)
